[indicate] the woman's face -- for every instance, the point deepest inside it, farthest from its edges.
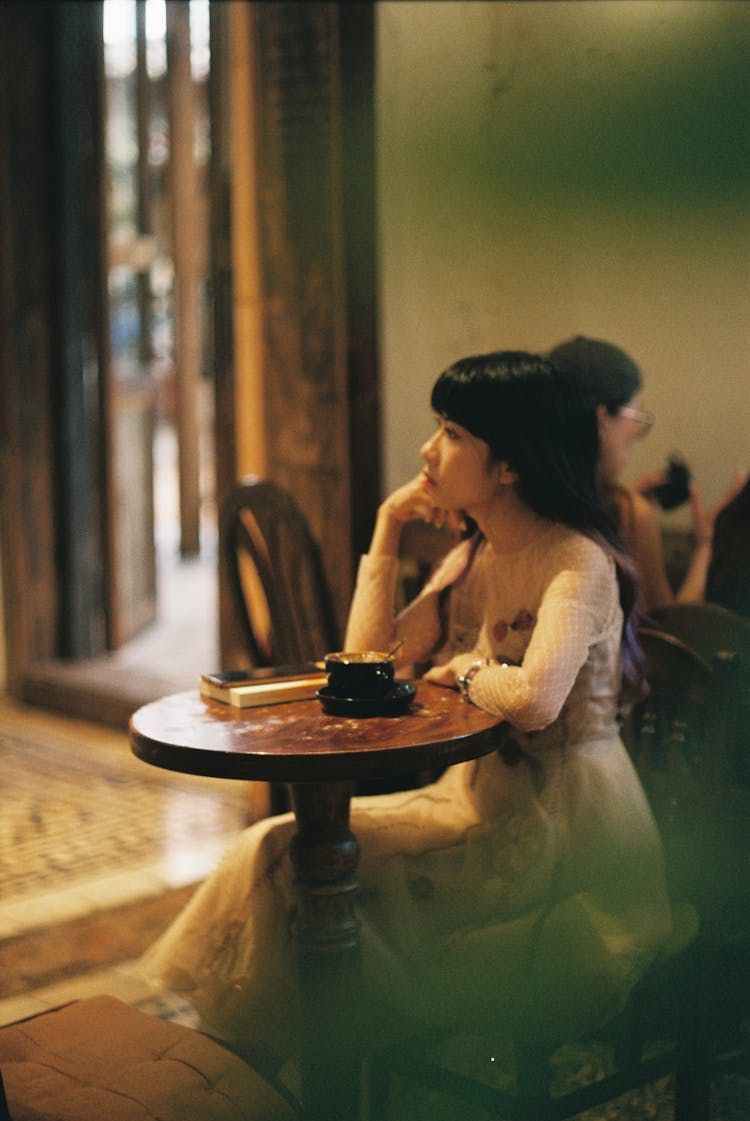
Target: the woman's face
(617, 434)
(459, 472)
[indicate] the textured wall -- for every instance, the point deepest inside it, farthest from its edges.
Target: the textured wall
(547, 169)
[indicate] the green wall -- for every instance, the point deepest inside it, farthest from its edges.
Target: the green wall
(553, 168)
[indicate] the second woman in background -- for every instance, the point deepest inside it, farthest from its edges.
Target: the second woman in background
(613, 381)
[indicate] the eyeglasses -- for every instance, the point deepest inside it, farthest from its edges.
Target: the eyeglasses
(644, 420)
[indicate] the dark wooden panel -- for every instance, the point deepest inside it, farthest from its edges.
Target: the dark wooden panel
(79, 310)
(313, 176)
(27, 492)
(185, 239)
(318, 312)
(225, 421)
(360, 256)
(51, 311)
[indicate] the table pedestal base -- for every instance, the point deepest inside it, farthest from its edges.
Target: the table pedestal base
(300, 744)
(324, 855)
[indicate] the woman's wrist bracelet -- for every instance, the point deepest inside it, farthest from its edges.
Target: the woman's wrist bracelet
(465, 679)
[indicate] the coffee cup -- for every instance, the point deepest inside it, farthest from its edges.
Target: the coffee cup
(360, 675)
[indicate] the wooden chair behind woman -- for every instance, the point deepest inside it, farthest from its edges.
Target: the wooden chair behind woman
(276, 574)
(706, 627)
(683, 739)
(280, 592)
(689, 747)
(282, 598)
(710, 629)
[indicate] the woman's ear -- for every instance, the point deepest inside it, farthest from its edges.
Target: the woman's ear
(506, 475)
(602, 413)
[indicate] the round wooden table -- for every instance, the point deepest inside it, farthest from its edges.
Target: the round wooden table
(321, 757)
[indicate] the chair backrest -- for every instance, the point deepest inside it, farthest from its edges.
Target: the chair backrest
(710, 629)
(682, 739)
(706, 627)
(276, 574)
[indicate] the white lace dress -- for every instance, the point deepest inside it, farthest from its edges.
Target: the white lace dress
(522, 893)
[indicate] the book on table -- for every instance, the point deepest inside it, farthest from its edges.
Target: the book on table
(264, 685)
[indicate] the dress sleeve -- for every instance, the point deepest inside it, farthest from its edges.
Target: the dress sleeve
(373, 624)
(579, 605)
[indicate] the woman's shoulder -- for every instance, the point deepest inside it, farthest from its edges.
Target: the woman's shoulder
(582, 569)
(568, 548)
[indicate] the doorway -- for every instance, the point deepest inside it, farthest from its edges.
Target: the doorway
(162, 518)
(85, 417)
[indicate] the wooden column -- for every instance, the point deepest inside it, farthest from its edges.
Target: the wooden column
(252, 436)
(230, 101)
(298, 118)
(294, 269)
(186, 299)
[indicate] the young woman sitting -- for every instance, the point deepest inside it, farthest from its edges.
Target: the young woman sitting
(522, 893)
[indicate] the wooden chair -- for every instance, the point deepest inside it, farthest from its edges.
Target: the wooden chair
(697, 992)
(282, 598)
(711, 630)
(280, 591)
(689, 745)
(705, 627)
(99, 1059)
(277, 577)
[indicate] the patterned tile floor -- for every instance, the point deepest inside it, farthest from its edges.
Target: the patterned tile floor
(86, 829)
(98, 851)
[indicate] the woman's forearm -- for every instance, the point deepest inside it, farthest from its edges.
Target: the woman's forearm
(386, 535)
(693, 587)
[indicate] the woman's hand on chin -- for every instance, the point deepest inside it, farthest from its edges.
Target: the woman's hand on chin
(413, 502)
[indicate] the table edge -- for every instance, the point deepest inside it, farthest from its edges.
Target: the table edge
(383, 763)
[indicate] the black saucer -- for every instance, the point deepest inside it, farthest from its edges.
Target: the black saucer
(393, 703)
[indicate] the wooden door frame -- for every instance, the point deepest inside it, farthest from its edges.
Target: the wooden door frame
(51, 333)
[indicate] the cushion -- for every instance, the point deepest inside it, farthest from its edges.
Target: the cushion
(99, 1058)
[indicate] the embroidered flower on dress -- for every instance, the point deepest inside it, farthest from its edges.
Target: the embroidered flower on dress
(524, 621)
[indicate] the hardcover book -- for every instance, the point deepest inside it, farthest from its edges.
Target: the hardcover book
(264, 685)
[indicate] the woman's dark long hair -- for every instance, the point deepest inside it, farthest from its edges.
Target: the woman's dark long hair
(728, 580)
(610, 377)
(602, 370)
(545, 429)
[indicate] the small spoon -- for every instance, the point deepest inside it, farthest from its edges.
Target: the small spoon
(398, 646)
